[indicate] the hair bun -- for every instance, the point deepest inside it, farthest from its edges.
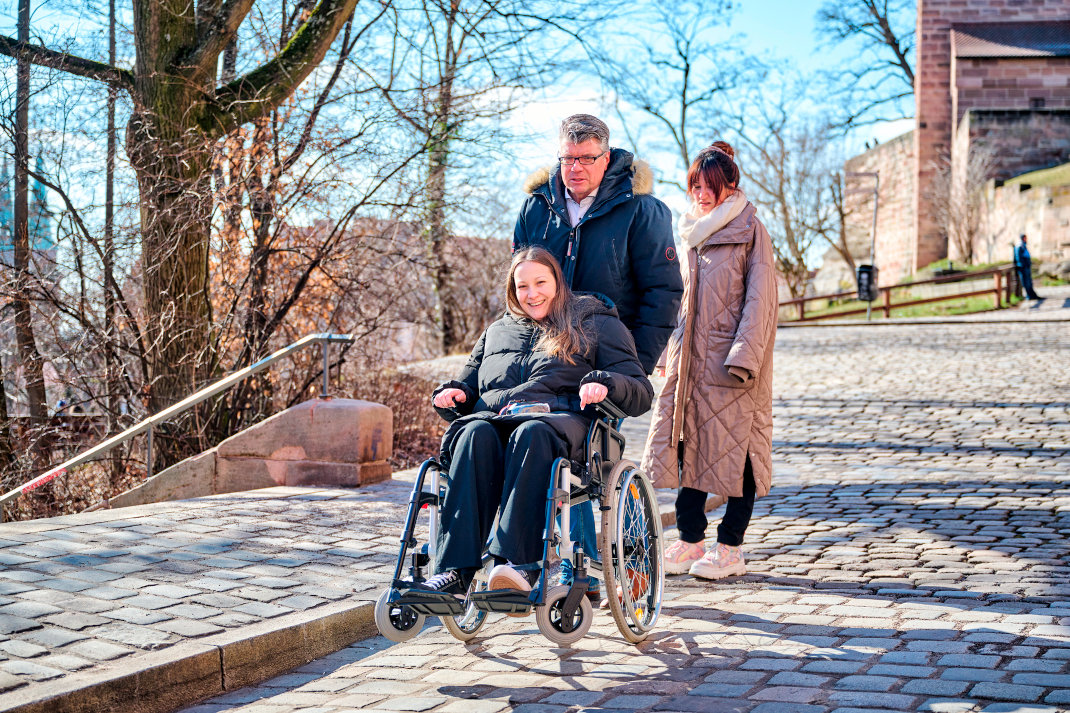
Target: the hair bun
(725, 148)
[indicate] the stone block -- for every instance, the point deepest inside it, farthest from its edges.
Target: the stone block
(191, 478)
(327, 430)
(236, 474)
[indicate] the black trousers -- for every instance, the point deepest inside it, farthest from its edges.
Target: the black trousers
(498, 469)
(691, 513)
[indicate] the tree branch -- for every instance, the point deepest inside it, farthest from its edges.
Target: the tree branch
(44, 57)
(263, 89)
(214, 37)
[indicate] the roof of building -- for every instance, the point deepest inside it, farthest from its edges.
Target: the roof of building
(1012, 39)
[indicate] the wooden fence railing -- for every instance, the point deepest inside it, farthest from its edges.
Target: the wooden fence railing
(1002, 288)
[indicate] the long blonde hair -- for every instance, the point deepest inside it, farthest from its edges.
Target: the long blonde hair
(563, 334)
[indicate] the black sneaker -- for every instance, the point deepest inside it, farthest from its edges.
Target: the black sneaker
(448, 582)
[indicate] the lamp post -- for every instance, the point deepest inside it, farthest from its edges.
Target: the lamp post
(876, 176)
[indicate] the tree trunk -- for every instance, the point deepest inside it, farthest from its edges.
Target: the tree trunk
(436, 237)
(445, 304)
(7, 447)
(172, 161)
(29, 356)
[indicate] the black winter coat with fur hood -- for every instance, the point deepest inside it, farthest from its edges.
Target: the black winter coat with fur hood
(622, 247)
(505, 366)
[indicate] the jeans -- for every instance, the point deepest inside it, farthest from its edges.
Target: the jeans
(691, 513)
(495, 468)
(583, 534)
(1025, 276)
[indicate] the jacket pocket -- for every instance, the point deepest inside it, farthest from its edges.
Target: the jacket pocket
(714, 372)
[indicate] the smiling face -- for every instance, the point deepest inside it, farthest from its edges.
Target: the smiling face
(581, 180)
(535, 289)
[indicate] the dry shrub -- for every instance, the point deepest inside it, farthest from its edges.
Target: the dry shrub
(73, 492)
(418, 428)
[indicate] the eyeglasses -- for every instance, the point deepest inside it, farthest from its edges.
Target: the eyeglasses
(581, 160)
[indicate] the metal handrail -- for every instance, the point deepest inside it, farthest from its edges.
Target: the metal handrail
(324, 339)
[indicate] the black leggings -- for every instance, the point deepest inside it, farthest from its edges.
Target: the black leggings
(691, 513)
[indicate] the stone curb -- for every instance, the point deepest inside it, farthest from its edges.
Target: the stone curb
(162, 681)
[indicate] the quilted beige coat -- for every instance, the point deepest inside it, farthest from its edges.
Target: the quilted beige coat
(728, 319)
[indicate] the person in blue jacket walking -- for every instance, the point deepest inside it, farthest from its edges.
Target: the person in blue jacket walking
(1023, 265)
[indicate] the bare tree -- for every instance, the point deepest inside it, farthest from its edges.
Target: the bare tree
(676, 74)
(877, 81)
(453, 73)
(784, 176)
(179, 112)
(958, 199)
(29, 355)
(834, 229)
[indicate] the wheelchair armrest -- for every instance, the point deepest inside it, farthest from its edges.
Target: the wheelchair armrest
(609, 409)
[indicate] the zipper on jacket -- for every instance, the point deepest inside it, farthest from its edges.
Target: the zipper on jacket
(525, 371)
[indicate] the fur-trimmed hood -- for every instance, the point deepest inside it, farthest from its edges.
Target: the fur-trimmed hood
(622, 246)
(642, 177)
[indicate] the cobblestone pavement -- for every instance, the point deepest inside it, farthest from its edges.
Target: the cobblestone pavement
(913, 554)
(78, 593)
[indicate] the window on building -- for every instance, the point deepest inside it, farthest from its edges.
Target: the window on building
(1036, 103)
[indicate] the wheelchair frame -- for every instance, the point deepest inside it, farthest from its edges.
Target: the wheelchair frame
(630, 543)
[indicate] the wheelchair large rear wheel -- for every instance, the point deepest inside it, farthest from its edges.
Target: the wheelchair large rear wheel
(465, 626)
(631, 543)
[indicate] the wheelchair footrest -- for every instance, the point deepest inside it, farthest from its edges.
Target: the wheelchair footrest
(502, 601)
(428, 603)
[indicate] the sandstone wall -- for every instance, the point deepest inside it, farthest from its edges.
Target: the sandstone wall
(933, 95)
(1021, 140)
(895, 208)
(1042, 213)
(1010, 83)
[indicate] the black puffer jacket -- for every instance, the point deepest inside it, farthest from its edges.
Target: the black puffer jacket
(505, 366)
(621, 248)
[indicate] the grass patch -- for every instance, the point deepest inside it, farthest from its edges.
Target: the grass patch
(1054, 176)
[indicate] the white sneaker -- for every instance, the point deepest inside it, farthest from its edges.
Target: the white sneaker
(720, 562)
(505, 577)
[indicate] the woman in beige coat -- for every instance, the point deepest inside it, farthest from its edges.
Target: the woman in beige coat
(713, 425)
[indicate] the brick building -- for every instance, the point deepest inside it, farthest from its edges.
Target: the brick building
(992, 78)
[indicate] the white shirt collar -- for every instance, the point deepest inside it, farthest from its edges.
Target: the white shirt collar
(576, 210)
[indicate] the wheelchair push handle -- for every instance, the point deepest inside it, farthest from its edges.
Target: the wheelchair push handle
(609, 409)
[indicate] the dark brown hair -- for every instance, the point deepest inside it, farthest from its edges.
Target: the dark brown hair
(562, 334)
(717, 165)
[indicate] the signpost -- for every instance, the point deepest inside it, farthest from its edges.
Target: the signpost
(866, 276)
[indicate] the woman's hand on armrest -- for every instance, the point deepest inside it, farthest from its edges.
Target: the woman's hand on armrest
(591, 393)
(448, 398)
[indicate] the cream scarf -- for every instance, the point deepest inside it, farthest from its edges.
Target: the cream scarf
(694, 228)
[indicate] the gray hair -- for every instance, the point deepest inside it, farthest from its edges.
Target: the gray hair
(580, 127)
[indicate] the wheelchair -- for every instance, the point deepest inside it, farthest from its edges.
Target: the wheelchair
(630, 542)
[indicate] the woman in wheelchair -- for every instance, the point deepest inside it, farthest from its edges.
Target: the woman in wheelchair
(522, 401)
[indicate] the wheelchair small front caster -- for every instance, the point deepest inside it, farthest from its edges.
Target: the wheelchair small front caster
(563, 631)
(396, 622)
